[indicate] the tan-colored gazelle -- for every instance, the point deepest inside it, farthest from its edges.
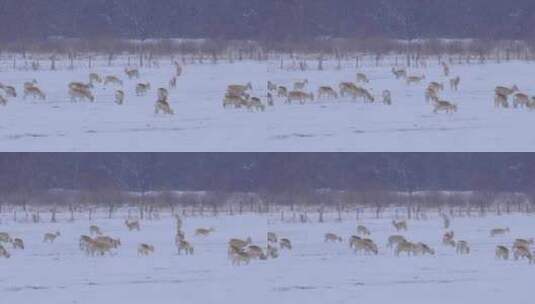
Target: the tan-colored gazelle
(445, 106)
(500, 101)
(331, 237)
(520, 99)
(81, 94)
(164, 106)
(145, 249)
(501, 90)
(204, 231)
(131, 73)
(522, 252)
(393, 240)
(113, 80)
(368, 246)
(299, 96)
(406, 246)
(142, 88)
(327, 92)
(238, 89)
(51, 237)
(34, 92)
(499, 231)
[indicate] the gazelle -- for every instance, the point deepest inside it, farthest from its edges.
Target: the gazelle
(362, 230)
(256, 252)
(51, 237)
(256, 104)
(394, 240)
(302, 97)
(235, 100)
(430, 94)
(415, 79)
(347, 88)
(446, 106)
(500, 100)
(132, 225)
(145, 249)
(164, 106)
(18, 243)
(424, 249)
(132, 73)
(499, 231)
(239, 89)
(520, 99)
(113, 80)
(80, 94)
(406, 246)
(142, 88)
(502, 252)
(185, 246)
(239, 243)
(119, 97)
(327, 92)
(387, 97)
(436, 86)
(35, 92)
(522, 252)
(353, 241)
(98, 247)
(366, 245)
(239, 257)
(4, 237)
(399, 226)
(505, 90)
(84, 242)
(204, 231)
(331, 237)
(522, 242)
(362, 93)
(300, 85)
(454, 83)
(4, 253)
(10, 91)
(462, 248)
(114, 243)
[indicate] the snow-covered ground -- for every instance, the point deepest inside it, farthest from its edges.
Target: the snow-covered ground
(201, 123)
(313, 272)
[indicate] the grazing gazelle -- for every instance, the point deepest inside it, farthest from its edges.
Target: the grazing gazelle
(302, 97)
(142, 88)
(406, 246)
(394, 240)
(424, 249)
(35, 92)
(446, 106)
(500, 90)
(522, 252)
(145, 249)
(113, 80)
(520, 99)
(366, 245)
(10, 91)
(499, 231)
(327, 92)
(331, 237)
(204, 231)
(239, 89)
(51, 237)
(80, 94)
(132, 73)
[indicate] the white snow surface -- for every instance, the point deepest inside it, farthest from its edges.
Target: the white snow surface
(201, 123)
(313, 272)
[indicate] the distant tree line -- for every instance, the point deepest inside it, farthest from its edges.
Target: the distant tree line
(267, 20)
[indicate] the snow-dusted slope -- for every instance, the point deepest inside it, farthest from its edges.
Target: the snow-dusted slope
(201, 124)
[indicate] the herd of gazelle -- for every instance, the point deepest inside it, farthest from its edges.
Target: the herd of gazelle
(243, 250)
(239, 96)
(82, 91)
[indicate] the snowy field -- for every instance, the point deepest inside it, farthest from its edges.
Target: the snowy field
(313, 272)
(201, 123)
